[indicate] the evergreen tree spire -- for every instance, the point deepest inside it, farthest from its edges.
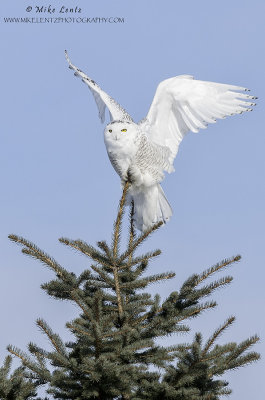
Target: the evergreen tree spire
(115, 333)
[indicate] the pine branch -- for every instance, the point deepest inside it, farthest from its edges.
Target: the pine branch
(19, 354)
(142, 259)
(132, 230)
(39, 353)
(244, 360)
(120, 332)
(179, 315)
(142, 283)
(54, 338)
(103, 246)
(117, 225)
(216, 334)
(228, 363)
(104, 276)
(215, 268)
(194, 311)
(88, 250)
(242, 347)
(87, 312)
(118, 291)
(225, 392)
(208, 289)
(132, 233)
(140, 269)
(74, 327)
(5, 370)
(15, 385)
(35, 252)
(139, 240)
(218, 352)
(84, 276)
(43, 373)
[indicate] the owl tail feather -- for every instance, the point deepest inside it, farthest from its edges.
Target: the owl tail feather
(150, 206)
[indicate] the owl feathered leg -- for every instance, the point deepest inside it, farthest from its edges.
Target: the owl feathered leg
(150, 206)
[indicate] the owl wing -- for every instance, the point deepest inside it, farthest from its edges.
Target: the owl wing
(102, 98)
(182, 104)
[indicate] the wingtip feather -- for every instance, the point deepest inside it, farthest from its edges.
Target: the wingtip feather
(66, 56)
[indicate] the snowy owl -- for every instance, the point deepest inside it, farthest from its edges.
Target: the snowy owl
(141, 152)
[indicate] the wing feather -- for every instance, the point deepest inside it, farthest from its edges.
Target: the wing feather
(102, 99)
(183, 104)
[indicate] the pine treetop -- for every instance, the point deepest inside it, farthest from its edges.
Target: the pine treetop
(115, 334)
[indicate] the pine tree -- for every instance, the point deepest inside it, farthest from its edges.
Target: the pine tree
(115, 335)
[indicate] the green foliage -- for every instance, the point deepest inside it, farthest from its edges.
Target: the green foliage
(115, 334)
(15, 386)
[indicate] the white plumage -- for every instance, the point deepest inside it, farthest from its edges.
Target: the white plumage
(145, 150)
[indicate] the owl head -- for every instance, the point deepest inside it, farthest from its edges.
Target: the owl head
(121, 133)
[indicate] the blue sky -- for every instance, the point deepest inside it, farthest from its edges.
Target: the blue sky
(56, 179)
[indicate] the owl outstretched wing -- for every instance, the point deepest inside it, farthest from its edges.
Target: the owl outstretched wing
(182, 104)
(102, 98)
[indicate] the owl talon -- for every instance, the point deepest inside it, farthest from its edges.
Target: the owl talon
(134, 176)
(123, 182)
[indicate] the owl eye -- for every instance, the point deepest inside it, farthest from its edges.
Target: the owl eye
(110, 130)
(124, 130)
